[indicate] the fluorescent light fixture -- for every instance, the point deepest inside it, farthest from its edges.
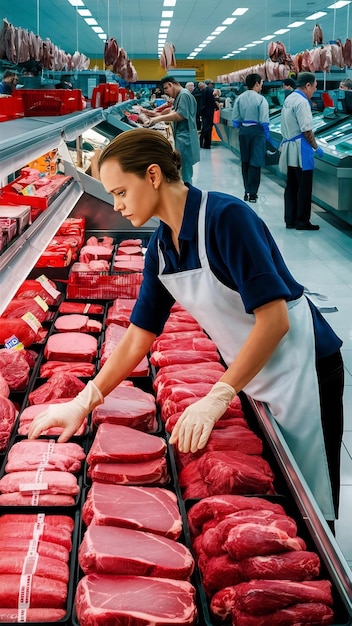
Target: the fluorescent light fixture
(281, 31)
(235, 52)
(202, 45)
(339, 4)
(84, 12)
(210, 38)
(162, 38)
(167, 13)
(163, 30)
(169, 3)
(240, 11)
(97, 29)
(198, 49)
(316, 16)
(295, 24)
(257, 41)
(102, 36)
(76, 3)
(229, 20)
(267, 37)
(165, 23)
(244, 49)
(250, 45)
(91, 21)
(220, 29)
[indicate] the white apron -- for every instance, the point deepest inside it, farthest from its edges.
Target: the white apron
(287, 383)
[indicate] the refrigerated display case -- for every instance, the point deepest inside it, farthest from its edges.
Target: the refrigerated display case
(320, 124)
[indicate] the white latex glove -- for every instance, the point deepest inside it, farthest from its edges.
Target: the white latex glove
(68, 415)
(194, 426)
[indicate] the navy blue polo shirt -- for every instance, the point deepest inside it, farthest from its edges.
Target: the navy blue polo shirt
(242, 254)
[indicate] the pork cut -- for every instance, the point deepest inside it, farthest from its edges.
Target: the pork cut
(29, 482)
(32, 615)
(52, 569)
(127, 600)
(152, 472)
(179, 357)
(71, 346)
(122, 444)
(73, 322)
(42, 453)
(125, 551)
(44, 548)
(128, 406)
(154, 509)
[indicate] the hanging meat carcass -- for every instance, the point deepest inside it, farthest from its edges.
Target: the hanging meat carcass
(317, 35)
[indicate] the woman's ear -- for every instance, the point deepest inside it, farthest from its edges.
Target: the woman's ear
(154, 173)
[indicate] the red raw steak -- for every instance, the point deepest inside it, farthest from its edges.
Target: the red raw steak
(13, 562)
(45, 592)
(152, 472)
(120, 311)
(151, 509)
(264, 596)
(127, 600)
(179, 357)
(32, 615)
(19, 307)
(113, 334)
(59, 385)
(128, 406)
(8, 414)
(217, 507)
(122, 444)
(46, 290)
(81, 308)
(44, 548)
(14, 368)
(18, 499)
(124, 551)
(49, 482)
(76, 369)
(249, 539)
(71, 347)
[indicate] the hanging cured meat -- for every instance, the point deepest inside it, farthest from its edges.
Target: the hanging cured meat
(317, 35)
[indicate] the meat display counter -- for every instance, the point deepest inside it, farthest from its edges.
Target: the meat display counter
(320, 124)
(332, 181)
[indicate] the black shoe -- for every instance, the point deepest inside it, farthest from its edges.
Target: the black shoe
(253, 197)
(289, 226)
(245, 197)
(308, 226)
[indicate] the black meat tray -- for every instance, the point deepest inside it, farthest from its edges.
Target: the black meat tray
(67, 619)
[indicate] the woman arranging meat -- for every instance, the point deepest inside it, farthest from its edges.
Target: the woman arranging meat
(217, 258)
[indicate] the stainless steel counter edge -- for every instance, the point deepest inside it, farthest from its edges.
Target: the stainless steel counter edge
(325, 541)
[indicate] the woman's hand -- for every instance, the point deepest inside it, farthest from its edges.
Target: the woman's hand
(67, 415)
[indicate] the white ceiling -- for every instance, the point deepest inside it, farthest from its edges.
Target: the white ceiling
(135, 25)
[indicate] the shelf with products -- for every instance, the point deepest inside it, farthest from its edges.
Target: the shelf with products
(23, 141)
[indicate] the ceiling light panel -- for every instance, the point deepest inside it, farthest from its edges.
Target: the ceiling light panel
(316, 16)
(340, 4)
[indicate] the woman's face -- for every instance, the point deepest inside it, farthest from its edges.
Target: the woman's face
(135, 198)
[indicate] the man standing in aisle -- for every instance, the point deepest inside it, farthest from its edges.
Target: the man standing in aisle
(8, 83)
(251, 115)
(197, 93)
(208, 106)
(183, 118)
(297, 153)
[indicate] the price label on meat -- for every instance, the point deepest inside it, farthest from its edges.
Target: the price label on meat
(13, 343)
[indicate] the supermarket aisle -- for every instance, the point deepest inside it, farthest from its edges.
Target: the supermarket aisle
(322, 262)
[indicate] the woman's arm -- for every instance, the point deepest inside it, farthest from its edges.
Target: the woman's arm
(69, 415)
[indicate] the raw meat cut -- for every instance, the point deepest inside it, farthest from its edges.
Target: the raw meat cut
(55, 529)
(113, 334)
(30, 412)
(264, 596)
(151, 509)
(81, 308)
(177, 337)
(4, 388)
(18, 307)
(199, 344)
(46, 289)
(32, 615)
(214, 539)
(124, 551)
(18, 499)
(14, 368)
(80, 369)
(73, 322)
(217, 507)
(152, 472)
(172, 357)
(299, 565)
(122, 444)
(44, 593)
(8, 415)
(52, 569)
(304, 613)
(59, 385)
(120, 311)
(46, 454)
(44, 548)
(219, 572)
(71, 347)
(127, 600)
(228, 472)
(128, 406)
(46, 482)
(20, 328)
(257, 539)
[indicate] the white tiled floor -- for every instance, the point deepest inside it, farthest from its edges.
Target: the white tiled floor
(322, 262)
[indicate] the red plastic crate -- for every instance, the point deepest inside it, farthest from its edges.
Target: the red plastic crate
(11, 108)
(45, 102)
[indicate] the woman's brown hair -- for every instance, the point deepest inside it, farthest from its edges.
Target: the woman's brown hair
(136, 149)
